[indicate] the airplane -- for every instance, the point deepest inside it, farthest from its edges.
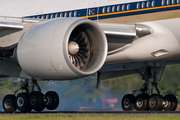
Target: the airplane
(70, 39)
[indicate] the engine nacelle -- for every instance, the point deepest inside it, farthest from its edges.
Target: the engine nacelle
(62, 49)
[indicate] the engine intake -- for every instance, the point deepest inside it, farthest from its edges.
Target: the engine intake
(66, 48)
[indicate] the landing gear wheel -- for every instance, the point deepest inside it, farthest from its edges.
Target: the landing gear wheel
(37, 101)
(9, 104)
(171, 102)
(128, 102)
(52, 100)
(22, 103)
(141, 102)
(155, 102)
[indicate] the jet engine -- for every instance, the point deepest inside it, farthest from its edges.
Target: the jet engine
(62, 49)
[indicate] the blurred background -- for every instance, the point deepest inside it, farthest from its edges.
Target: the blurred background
(82, 94)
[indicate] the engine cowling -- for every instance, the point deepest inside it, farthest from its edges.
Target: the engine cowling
(62, 49)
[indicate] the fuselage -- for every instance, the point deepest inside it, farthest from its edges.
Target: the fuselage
(117, 11)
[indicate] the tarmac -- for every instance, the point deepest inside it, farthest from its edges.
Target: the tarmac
(98, 113)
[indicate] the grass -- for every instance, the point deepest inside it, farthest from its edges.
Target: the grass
(87, 117)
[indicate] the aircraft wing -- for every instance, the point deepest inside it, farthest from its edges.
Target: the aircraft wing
(15, 22)
(11, 22)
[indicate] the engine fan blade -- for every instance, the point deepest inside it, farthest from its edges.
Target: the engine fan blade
(78, 37)
(83, 56)
(80, 61)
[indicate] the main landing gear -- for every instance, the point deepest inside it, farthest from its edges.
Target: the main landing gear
(28, 99)
(146, 100)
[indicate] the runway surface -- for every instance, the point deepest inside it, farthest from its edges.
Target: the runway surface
(116, 113)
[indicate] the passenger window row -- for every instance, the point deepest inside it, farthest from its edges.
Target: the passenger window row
(111, 9)
(167, 2)
(66, 14)
(139, 5)
(125, 7)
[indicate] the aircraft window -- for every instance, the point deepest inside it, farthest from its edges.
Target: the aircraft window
(118, 8)
(123, 7)
(168, 2)
(65, 15)
(103, 10)
(162, 3)
(108, 9)
(153, 3)
(148, 4)
(138, 5)
(42, 17)
(61, 15)
(70, 14)
(128, 6)
(56, 15)
(75, 13)
(173, 1)
(47, 16)
(178, 1)
(52, 16)
(113, 8)
(142, 5)
(37, 17)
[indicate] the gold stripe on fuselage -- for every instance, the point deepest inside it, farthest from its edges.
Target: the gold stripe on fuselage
(144, 17)
(140, 17)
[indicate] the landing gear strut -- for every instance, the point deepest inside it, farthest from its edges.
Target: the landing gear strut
(29, 99)
(146, 100)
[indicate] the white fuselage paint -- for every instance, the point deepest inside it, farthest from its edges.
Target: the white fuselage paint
(20, 8)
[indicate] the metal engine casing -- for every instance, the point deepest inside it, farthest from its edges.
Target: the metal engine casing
(43, 51)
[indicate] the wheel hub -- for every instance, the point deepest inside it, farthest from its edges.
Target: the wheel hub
(7, 103)
(20, 101)
(167, 103)
(49, 100)
(33, 100)
(139, 102)
(126, 103)
(152, 102)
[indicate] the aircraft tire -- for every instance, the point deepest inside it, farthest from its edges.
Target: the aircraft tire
(9, 104)
(128, 102)
(172, 102)
(37, 101)
(141, 102)
(155, 102)
(52, 100)
(22, 103)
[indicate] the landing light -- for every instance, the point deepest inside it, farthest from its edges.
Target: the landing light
(140, 29)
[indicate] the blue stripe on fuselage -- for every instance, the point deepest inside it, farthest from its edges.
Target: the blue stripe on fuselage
(112, 11)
